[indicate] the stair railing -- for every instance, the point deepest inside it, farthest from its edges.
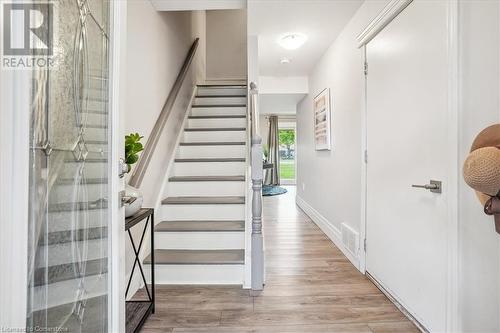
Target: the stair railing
(143, 163)
(256, 174)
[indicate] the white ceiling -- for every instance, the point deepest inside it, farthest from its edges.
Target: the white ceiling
(320, 20)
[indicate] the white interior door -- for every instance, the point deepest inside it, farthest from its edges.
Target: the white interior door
(407, 90)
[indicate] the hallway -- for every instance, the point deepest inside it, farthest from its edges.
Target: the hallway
(310, 287)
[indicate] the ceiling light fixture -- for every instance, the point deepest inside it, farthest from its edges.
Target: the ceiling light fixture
(292, 41)
(285, 60)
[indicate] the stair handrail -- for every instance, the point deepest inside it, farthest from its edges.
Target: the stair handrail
(150, 146)
(257, 243)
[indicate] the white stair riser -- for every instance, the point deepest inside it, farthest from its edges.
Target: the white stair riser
(217, 123)
(196, 274)
(211, 151)
(212, 91)
(97, 92)
(222, 111)
(225, 188)
(203, 212)
(97, 83)
(78, 193)
(61, 221)
(92, 170)
(220, 100)
(209, 169)
(94, 118)
(65, 292)
(100, 134)
(97, 104)
(200, 240)
(98, 147)
(65, 253)
(215, 136)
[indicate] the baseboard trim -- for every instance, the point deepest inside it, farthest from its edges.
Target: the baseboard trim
(396, 303)
(328, 228)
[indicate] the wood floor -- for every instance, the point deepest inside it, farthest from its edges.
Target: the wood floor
(310, 287)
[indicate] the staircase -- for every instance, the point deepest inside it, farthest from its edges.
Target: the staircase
(69, 281)
(201, 236)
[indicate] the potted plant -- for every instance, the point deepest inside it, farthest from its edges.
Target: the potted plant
(133, 147)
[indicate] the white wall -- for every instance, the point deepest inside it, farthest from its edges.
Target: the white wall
(279, 104)
(199, 30)
(156, 52)
(330, 181)
(227, 44)
(479, 244)
(157, 46)
(283, 84)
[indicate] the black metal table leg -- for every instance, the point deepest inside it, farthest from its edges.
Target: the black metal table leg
(153, 260)
(138, 311)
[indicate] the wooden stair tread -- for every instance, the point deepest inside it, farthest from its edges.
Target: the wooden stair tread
(200, 226)
(211, 200)
(237, 86)
(73, 235)
(209, 143)
(71, 206)
(207, 179)
(87, 181)
(197, 257)
(210, 159)
(64, 272)
(93, 307)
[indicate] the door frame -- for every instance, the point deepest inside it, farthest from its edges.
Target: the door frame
(14, 190)
(14, 182)
(117, 91)
(294, 128)
(388, 13)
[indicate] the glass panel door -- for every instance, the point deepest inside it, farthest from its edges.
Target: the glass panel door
(287, 155)
(68, 226)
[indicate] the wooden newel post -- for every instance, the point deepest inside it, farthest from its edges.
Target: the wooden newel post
(257, 238)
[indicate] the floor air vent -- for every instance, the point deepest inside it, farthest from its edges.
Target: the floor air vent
(350, 239)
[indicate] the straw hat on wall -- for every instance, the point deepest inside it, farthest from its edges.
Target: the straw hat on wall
(482, 170)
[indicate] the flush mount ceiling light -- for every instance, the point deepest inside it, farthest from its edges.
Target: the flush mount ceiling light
(292, 41)
(285, 60)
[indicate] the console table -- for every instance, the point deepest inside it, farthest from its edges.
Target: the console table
(137, 311)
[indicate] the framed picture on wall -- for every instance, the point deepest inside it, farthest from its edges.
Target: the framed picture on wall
(322, 120)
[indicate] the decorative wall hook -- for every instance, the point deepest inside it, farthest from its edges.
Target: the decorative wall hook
(481, 170)
(492, 207)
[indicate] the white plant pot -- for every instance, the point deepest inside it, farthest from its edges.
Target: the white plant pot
(135, 206)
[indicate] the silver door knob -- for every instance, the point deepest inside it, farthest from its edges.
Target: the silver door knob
(125, 200)
(435, 186)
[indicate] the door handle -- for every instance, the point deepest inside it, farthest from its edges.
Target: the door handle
(435, 186)
(125, 200)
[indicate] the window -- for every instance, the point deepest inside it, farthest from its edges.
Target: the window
(287, 155)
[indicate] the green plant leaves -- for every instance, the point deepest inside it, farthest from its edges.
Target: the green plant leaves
(133, 146)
